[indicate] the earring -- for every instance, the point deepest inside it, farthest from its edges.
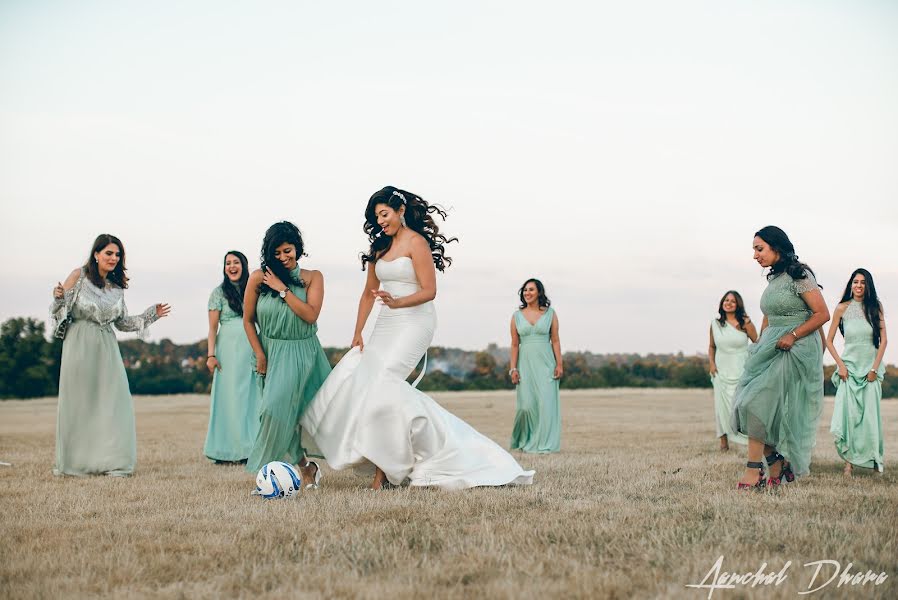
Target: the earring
(402, 220)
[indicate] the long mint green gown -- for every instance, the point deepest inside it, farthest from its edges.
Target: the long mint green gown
(731, 352)
(780, 395)
(234, 403)
(297, 366)
(95, 429)
(856, 424)
(537, 421)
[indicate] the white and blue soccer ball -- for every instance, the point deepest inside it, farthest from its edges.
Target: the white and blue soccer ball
(277, 480)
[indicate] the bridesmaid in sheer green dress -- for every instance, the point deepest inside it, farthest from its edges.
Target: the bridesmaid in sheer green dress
(290, 364)
(234, 401)
(95, 430)
(727, 352)
(856, 424)
(780, 395)
(535, 370)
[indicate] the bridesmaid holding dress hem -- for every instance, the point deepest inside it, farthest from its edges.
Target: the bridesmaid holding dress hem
(727, 351)
(780, 394)
(536, 367)
(856, 423)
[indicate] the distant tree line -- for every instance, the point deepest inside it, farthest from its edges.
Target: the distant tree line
(29, 367)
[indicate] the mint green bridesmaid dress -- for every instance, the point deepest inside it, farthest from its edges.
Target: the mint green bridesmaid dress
(95, 429)
(537, 422)
(234, 403)
(297, 366)
(856, 424)
(731, 352)
(780, 395)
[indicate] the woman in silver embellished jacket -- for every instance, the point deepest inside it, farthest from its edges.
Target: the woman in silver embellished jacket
(95, 432)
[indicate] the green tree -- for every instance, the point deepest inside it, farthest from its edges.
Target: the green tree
(26, 364)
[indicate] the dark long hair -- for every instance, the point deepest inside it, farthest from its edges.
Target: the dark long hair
(543, 300)
(283, 232)
(117, 275)
(234, 294)
(417, 218)
(872, 306)
(740, 309)
(788, 263)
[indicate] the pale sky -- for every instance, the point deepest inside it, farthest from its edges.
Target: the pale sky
(623, 152)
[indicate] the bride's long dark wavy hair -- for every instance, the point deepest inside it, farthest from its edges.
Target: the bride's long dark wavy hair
(788, 263)
(418, 217)
(872, 306)
(283, 232)
(234, 294)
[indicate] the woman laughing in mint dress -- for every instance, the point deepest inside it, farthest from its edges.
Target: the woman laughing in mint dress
(535, 370)
(234, 402)
(856, 424)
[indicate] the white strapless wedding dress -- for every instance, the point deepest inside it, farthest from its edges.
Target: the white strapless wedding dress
(366, 411)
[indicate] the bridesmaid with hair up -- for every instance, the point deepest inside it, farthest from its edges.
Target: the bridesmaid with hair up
(535, 370)
(780, 395)
(727, 351)
(234, 404)
(856, 424)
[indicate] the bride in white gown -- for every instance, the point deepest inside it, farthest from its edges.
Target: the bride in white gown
(366, 411)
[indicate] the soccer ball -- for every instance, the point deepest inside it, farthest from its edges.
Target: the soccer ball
(277, 480)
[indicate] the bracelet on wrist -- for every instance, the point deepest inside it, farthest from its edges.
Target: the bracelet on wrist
(794, 334)
(512, 370)
(211, 356)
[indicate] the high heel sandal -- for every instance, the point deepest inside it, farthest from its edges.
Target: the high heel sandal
(771, 460)
(762, 481)
(786, 472)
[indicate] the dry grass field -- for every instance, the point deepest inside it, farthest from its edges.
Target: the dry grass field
(639, 503)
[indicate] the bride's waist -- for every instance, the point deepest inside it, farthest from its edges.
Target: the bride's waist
(400, 289)
(425, 309)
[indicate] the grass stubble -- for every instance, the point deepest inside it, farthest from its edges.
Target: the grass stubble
(639, 503)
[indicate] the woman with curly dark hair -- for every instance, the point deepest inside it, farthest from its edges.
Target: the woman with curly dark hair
(856, 423)
(780, 394)
(95, 429)
(731, 331)
(234, 403)
(366, 413)
(535, 370)
(284, 301)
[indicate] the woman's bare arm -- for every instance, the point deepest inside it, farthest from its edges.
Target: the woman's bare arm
(366, 303)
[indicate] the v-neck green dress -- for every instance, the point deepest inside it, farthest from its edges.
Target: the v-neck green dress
(537, 422)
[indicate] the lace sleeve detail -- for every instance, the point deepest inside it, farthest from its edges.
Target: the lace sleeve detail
(216, 299)
(138, 323)
(59, 308)
(807, 284)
